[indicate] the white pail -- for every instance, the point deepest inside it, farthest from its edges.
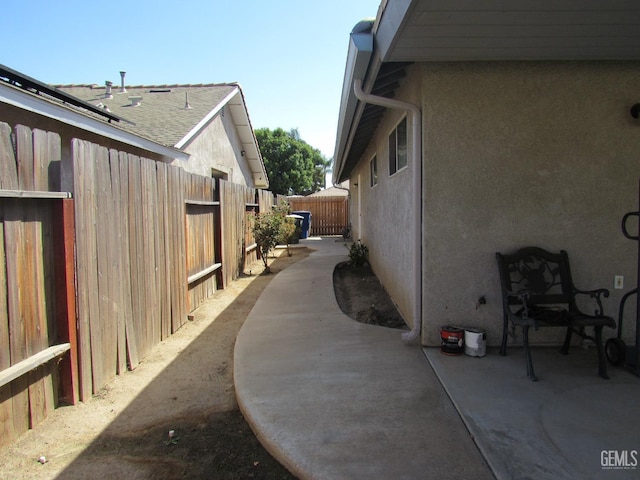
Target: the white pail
(475, 342)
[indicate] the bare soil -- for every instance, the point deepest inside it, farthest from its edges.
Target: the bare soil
(362, 297)
(184, 385)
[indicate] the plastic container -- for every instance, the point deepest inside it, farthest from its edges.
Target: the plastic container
(306, 223)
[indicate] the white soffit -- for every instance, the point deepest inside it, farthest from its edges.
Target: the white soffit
(457, 30)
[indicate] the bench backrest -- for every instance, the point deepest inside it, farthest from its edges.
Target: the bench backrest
(546, 276)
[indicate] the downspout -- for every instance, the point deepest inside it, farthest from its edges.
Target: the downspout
(348, 190)
(416, 123)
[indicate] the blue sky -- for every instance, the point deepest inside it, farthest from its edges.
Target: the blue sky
(288, 55)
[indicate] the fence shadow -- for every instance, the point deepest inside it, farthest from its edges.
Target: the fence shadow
(193, 395)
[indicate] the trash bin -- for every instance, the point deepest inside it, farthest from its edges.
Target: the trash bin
(306, 223)
(298, 221)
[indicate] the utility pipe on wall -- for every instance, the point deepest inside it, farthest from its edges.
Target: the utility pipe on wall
(416, 124)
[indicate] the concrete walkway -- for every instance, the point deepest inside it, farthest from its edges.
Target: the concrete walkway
(331, 398)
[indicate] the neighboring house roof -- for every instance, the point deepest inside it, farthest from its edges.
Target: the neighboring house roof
(331, 192)
(32, 95)
(407, 31)
(174, 115)
(161, 114)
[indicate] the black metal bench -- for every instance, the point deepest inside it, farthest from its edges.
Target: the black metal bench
(537, 291)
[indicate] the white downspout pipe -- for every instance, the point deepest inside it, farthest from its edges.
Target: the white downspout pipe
(348, 190)
(416, 123)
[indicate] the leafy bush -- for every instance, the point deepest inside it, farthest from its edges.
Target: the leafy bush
(272, 228)
(358, 253)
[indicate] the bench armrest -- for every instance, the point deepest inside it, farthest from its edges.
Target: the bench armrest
(595, 294)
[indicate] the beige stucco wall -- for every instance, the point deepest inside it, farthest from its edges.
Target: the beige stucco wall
(218, 146)
(514, 154)
(525, 154)
(387, 222)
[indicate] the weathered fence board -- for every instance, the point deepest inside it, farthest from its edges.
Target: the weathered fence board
(8, 164)
(163, 251)
(126, 312)
(27, 280)
(177, 213)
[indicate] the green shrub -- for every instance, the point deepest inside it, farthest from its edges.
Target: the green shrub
(272, 228)
(358, 253)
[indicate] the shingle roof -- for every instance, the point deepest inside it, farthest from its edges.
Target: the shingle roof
(163, 115)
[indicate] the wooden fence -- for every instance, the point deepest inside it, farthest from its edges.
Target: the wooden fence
(329, 215)
(152, 242)
(202, 224)
(34, 251)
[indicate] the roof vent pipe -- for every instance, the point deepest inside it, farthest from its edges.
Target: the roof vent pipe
(186, 101)
(122, 89)
(107, 93)
(416, 123)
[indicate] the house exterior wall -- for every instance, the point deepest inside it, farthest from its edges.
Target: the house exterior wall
(387, 224)
(520, 154)
(514, 154)
(218, 146)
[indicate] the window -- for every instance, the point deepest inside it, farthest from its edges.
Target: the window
(398, 147)
(373, 171)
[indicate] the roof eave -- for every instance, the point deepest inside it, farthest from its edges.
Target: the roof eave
(250, 146)
(240, 116)
(358, 58)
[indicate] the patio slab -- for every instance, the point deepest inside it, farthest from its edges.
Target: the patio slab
(556, 428)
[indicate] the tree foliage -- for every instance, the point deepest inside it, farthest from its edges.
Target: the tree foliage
(272, 228)
(293, 166)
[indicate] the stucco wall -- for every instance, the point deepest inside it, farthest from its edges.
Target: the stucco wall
(521, 154)
(387, 216)
(514, 154)
(219, 147)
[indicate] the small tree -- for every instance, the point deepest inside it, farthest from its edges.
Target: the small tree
(271, 228)
(288, 232)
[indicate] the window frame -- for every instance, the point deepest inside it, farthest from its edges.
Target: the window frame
(373, 171)
(398, 153)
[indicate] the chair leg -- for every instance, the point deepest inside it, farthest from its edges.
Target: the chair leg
(567, 341)
(527, 353)
(505, 331)
(602, 362)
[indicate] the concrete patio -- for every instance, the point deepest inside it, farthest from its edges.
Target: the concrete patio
(331, 398)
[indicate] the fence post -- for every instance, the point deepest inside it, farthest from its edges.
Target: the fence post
(66, 298)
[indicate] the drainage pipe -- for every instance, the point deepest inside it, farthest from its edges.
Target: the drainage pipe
(348, 208)
(416, 124)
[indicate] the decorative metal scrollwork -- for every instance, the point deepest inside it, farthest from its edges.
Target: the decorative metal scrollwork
(535, 274)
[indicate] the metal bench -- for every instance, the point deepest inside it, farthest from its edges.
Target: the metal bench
(537, 291)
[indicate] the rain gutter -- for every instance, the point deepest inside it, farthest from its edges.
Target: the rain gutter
(416, 124)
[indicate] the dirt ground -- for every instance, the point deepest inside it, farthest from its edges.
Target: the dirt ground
(362, 297)
(186, 386)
